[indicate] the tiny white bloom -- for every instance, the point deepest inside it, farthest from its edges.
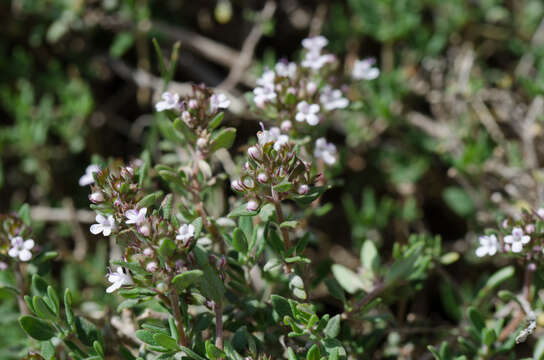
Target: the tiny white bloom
(307, 112)
(104, 225)
(332, 99)
(325, 151)
(517, 239)
(540, 212)
(288, 70)
(488, 246)
(263, 95)
(267, 78)
(169, 101)
(185, 233)
(118, 279)
(315, 43)
(316, 61)
(281, 140)
(219, 101)
(267, 136)
(363, 70)
(21, 248)
(88, 179)
(135, 216)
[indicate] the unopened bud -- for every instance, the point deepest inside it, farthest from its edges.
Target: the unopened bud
(252, 205)
(303, 189)
(151, 267)
(248, 182)
(186, 117)
(201, 143)
(262, 178)
(286, 125)
(255, 153)
(237, 185)
(148, 252)
(96, 197)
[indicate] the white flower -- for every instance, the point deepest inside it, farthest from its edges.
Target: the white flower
(169, 101)
(540, 212)
(517, 239)
(282, 140)
(286, 69)
(488, 246)
(325, 151)
(118, 279)
(315, 43)
(267, 78)
(88, 179)
(135, 216)
(307, 112)
(185, 233)
(105, 225)
(219, 101)
(21, 248)
(264, 94)
(363, 70)
(332, 99)
(316, 61)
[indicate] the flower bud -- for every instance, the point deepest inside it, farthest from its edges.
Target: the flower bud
(303, 189)
(252, 205)
(151, 267)
(248, 182)
(237, 185)
(148, 252)
(96, 197)
(286, 125)
(255, 153)
(117, 202)
(530, 228)
(201, 143)
(162, 287)
(262, 178)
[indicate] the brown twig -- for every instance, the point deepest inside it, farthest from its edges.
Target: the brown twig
(248, 48)
(174, 302)
(23, 309)
(219, 325)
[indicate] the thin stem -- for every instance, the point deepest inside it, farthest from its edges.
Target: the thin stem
(513, 324)
(284, 232)
(219, 325)
(174, 302)
(377, 291)
(23, 309)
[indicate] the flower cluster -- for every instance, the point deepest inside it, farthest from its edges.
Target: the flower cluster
(522, 237)
(15, 241)
(273, 171)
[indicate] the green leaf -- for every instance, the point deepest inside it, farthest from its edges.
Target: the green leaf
(350, 281)
(283, 187)
(24, 214)
(191, 353)
(47, 350)
(165, 341)
(146, 336)
(186, 279)
(369, 257)
(53, 297)
(39, 285)
(239, 241)
(213, 352)
(166, 247)
(223, 139)
(42, 310)
(281, 306)
(149, 200)
(476, 319)
(68, 307)
(121, 44)
(458, 200)
(216, 121)
(86, 331)
(333, 327)
(211, 285)
(98, 348)
(197, 223)
(242, 211)
(37, 328)
(313, 353)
